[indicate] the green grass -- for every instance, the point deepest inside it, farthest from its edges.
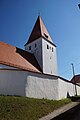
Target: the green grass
(23, 108)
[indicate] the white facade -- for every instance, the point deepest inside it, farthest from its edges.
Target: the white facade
(12, 82)
(49, 58)
(45, 54)
(42, 86)
(24, 83)
(36, 49)
(66, 88)
(35, 85)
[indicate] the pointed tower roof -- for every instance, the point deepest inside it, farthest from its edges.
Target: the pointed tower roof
(39, 30)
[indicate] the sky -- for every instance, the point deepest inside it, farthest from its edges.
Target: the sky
(61, 18)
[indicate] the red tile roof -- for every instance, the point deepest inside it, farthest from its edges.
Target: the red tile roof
(76, 79)
(15, 57)
(39, 30)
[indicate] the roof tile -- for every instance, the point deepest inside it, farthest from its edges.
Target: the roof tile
(16, 57)
(39, 30)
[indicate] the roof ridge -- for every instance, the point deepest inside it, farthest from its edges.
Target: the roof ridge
(40, 24)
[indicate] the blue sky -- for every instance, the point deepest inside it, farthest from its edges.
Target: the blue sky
(62, 19)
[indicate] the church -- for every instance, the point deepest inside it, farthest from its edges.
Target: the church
(33, 72)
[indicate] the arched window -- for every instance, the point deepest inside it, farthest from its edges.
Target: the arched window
(47, 46)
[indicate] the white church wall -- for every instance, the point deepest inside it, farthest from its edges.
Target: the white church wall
(35, 85)
(36, 48)
(24, 83)
(49, 58)
(42, 86)
(78, 89)
(67, 89)
(45, 57)
(12, 82)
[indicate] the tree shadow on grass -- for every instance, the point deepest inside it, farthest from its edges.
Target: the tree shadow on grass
(73, 98)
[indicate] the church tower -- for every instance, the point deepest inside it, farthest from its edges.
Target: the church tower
(43, 48)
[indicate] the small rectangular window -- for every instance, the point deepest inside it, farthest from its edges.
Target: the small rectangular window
(35, 44)
(29, 47)
(52, 49)
(47, 46)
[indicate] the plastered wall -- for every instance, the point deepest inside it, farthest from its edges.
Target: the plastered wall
(67, 89)
(35, 85)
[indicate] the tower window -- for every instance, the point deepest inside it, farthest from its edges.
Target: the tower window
(29, 47)
(47, 46)
(35, 44)
(45, 35)
(52, 49)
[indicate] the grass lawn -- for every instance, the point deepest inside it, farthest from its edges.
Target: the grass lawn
(23, 108)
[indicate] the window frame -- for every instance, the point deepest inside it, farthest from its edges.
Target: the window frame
(29, 47)
(47, 46)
